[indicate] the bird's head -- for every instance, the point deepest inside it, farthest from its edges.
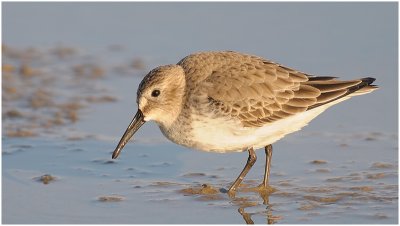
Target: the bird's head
(159, 98)
(160, 94)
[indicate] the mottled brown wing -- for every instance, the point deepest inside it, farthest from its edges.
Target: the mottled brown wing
(257, 91)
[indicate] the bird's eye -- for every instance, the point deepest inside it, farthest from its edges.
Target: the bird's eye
(155, 93)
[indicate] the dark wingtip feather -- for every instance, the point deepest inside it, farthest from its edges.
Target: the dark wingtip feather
(320, 78)
(365, 82)
(368, 80)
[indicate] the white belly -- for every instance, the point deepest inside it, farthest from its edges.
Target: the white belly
(217, 135)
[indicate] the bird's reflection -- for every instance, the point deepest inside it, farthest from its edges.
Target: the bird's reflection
(246, 216)
(245, 198)
(244, 203)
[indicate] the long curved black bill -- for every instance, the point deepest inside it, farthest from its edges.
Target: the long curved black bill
(136, 123)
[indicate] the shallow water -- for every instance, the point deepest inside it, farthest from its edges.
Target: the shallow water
(353, 184)
(66, 106)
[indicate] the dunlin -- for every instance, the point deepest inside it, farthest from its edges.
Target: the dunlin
(231, 102)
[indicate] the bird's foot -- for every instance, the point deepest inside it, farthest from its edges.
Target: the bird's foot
(265, 192)
(231, 193)
(265, 188)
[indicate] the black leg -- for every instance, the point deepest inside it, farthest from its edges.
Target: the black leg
(250, 162)
(268, 158)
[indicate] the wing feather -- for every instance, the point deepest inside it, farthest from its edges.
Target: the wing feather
(326, 97)
(256, 91)
(329, 86)
(301, 102)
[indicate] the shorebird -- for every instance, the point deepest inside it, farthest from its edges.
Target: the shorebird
(231, 102)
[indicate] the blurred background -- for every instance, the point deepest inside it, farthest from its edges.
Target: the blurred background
(348, 40)
(69, 78)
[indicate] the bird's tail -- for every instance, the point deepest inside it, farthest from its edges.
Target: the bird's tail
(333, 90)
(366, 87)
